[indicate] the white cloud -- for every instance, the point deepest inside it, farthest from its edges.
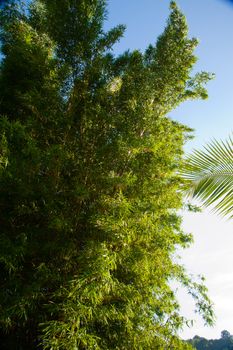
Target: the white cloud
(212, 256)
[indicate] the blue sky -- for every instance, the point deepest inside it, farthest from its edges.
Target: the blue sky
(211, 21)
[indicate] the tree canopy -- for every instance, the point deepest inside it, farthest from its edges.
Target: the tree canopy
(224, 343)
(89, 188)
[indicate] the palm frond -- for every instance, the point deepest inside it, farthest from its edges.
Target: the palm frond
(210, 172)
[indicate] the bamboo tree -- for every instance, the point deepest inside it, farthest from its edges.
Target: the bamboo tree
(89, 193)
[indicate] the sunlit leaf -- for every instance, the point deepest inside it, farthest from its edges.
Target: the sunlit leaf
(210, 172)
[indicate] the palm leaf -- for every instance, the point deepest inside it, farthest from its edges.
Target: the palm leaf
(210, 173)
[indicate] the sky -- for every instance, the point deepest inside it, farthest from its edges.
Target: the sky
(211, 21)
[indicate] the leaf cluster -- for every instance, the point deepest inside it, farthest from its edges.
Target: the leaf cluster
(89, 190)
(210, 173)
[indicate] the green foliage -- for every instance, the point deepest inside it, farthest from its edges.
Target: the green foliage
(210, 172)
(224, 343)
(89, 190)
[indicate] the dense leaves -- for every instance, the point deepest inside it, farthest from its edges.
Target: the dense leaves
(224, 343)
(89, 190)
